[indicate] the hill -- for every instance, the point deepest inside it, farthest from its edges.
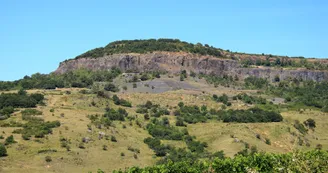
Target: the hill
(163, 106)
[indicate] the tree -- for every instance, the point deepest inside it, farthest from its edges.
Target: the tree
(3, 151)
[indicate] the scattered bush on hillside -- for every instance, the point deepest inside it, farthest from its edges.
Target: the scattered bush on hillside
(111, 87)
(10, 140)
(77, 78)
(151, 109)
(216, 80)
(310, 123)
(194, 114)
(8, 101)
(300, 127)
(121, 102)
(255, 83)
(111, 115)
(250, 99)
(3, 150)
(37, 127)
(224, 99)
(161, 130)
(48, 159)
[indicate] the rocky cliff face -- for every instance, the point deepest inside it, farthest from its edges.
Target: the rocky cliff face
(175, 62)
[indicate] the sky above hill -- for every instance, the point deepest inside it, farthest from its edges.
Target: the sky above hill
(36, 35)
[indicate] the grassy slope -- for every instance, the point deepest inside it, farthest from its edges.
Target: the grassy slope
(24, 154)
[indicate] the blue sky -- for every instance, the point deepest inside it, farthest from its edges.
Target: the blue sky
(36, 35)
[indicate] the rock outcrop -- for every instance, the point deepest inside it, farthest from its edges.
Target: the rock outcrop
(173, 62)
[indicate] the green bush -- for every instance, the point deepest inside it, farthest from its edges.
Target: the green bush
(121, 102)
(153, 110)
(194, 114)
(111, 87)
(37, 127)
(113, 139)
(255, 83)
(8, 101)
(300, 127)
(10, 140)
(161, 130)
(3, 150)
(77, 78)
(112, 114)
(48, 159)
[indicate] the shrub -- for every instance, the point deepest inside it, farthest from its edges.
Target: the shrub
(112, 114)
(10, 140)
(267, 141)
(258, 136)
(300, 127)
(144, 77)
(223, 99)
(81, 145)
(318, 147)
(111, 87)
(310, 123)
(121, 102)
(37, 127)
(161, 130)
(113, 139)
(180, 122)
(48, 159)
(7, 110)
(26, 136)
(146, 117)
(135, 150)
(3, 150)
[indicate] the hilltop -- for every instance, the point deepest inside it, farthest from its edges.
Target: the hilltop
(173, 56)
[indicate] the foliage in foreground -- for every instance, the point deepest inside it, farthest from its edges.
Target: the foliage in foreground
(310, 161)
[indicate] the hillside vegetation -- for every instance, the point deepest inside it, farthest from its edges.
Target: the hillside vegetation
(175, 45)
(151, 45)
(161, 122)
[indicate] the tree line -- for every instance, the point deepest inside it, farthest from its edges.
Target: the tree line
(151, 45)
